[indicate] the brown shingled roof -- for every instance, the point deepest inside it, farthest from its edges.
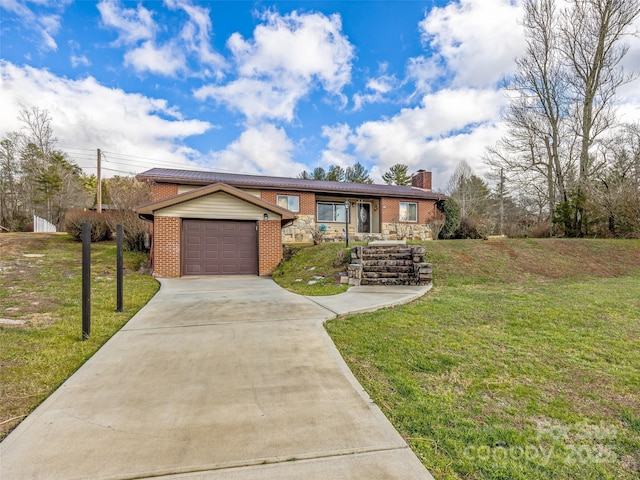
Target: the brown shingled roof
(189, 177)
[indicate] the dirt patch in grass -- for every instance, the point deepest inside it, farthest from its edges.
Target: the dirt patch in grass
(21, 267)
(465, 258)
(503, 247)
(20, 244)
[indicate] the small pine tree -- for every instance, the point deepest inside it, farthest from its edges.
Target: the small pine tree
(397, 175)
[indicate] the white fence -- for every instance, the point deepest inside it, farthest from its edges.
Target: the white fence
(41, 225)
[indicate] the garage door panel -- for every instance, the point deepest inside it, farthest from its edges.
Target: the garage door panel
(217, 247)
(212, 255)
(192, 240)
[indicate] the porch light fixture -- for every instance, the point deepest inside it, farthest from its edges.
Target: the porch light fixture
(346, 222)
(265, 217)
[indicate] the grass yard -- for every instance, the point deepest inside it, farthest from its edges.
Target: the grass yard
(313, 269)
(41, 312)
(522, 363)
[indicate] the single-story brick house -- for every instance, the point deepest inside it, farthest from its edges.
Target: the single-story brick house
(208, 223)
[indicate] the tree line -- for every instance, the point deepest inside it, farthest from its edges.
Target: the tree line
(398, 174)
(38, 178)
(567, 158)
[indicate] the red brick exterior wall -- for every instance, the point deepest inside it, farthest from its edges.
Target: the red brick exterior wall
(391, 210)
(166, 247)
(307, 200)
(269, 246)
(163, 190)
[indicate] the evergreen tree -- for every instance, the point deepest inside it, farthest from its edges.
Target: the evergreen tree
(397, 175)
(357, 174)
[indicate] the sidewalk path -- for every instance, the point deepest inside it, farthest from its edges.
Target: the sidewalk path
(219, 378)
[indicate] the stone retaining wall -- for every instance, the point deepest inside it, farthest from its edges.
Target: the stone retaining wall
(389, 265)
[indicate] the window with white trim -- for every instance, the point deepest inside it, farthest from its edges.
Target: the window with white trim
(331, 212)
(408, 212)
(290, 202)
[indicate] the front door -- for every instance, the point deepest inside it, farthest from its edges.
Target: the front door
(364, 218)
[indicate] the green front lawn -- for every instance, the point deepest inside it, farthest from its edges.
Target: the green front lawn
(522, 363)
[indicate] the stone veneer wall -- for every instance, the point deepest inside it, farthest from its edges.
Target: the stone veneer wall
(300, 231)
(303, 229)
(405, 231)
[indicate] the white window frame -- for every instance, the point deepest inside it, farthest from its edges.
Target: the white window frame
(334, 205)
(406, 207)
(288, 199)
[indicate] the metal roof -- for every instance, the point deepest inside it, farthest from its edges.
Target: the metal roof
(190, 177)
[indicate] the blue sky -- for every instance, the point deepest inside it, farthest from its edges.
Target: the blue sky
(264, 87)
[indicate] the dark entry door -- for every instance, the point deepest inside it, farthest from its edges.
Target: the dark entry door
(364, 218)
(219, 247)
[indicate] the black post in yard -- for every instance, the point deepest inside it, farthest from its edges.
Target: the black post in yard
(86, 280)
(119, 268)
(346, 222)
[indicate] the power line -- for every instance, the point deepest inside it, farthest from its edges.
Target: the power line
(118, 171)
(153, 160)
(78, 148)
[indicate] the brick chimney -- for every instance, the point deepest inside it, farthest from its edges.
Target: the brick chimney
(421, 179)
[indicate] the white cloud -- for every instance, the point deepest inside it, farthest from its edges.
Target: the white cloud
(263, 149)
(338, 142)
(79, 60)
(382, 84)
(258, 99)
(338, 136)
(148, 52)
(196, 34)
(131, 24)
(88, 115)
(301, 45)
(377, 88)
(449, 126)
(476, 39)
(287, 56)
(164, 60)
(46, 25)
(425, 72)
(629, 94)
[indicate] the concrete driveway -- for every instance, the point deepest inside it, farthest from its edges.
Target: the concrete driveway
(216, 378)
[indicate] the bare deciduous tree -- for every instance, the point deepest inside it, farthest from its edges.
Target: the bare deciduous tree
(35, 177)
(469, 191)
(124, 194)
(591, 37)
(37, 128)
(562, 97)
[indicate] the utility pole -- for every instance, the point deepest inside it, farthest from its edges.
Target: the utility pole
(99, 186)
